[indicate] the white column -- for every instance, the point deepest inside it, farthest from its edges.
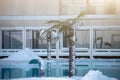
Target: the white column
(91, 46)
(0, 39)
(57, 45)
(57, 54)
(24, 38)
(91, 42)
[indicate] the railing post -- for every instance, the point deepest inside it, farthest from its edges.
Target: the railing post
(91, 45)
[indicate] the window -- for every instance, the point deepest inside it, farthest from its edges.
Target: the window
(65, 42)
(81, 41)
(34, 41)
(11, 39)
(107, 39)
(116, 40)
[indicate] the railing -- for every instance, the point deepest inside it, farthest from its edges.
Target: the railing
(61, 51)
(106, 52)
(7, 52)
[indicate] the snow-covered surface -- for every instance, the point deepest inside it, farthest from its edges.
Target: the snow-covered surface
(96, 75)
(25, 55)
(91, 75)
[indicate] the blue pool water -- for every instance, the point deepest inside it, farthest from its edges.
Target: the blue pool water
(110, 68)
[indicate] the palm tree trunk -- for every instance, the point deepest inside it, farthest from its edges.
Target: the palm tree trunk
(48, 53)
(71, 55)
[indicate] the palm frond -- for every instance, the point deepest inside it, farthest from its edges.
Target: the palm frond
(80, 15)
(64, 28)
(43, 33)
(64, 25)
(53, 22)
(55, 26)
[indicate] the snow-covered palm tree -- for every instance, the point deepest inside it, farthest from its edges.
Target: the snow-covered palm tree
(68, 27)
(49, 34)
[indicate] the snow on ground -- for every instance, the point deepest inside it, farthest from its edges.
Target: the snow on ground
(96, 75)
(23, 55)
(91, 75)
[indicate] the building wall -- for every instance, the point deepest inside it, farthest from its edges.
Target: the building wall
(29, 7)
(57, 7)
(118, 5)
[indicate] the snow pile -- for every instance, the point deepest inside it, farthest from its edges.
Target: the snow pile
(96, 75)
(25, 55)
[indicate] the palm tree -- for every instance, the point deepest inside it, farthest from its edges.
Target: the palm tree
(68, 27)
(49, 34)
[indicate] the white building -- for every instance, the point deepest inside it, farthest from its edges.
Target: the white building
(99, 37)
